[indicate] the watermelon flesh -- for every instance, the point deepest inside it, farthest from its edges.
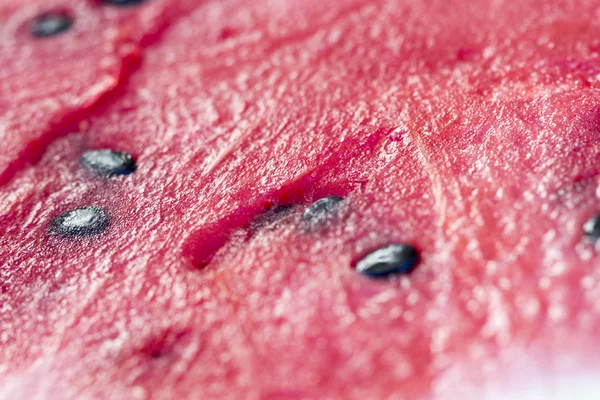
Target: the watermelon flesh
(49, 86)
(468, 129)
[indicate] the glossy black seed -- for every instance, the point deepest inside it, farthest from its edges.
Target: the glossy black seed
(51, 24)
(389, 260)
(108, 163)
(321, 209)
(592, 228)
(123, 3)
(83, 221)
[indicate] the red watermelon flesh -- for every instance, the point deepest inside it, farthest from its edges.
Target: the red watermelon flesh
(469, 129)
(47, 86)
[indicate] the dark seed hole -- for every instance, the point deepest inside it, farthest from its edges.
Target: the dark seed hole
(164, 344)
(158, 353)
(271, 216)
(51, 24)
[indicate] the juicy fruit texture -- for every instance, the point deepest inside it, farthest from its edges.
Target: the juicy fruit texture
(48, 85)
(467, 128)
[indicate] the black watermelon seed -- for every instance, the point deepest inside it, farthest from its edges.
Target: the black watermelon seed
(592, 228)
(51, 24)
(321, 209)
(108, 163)
(83, 221)
(123, 3)
(389, 260)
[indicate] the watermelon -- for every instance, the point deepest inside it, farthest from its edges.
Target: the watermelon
(294, 199)
(60, 59)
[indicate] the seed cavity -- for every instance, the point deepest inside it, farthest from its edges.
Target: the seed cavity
(51, 24)
(322, 209)
(108, 163)
(392, 259)
(270, 218)
(85, 221)
(592, 228)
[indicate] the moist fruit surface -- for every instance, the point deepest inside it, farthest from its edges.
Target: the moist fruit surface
(467, 132)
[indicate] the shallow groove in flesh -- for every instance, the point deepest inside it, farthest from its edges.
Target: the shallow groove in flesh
(72, 121)
(204, 244)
